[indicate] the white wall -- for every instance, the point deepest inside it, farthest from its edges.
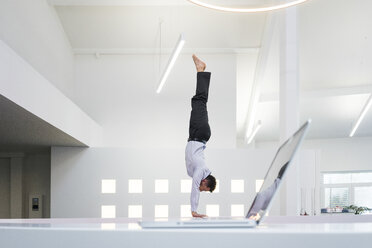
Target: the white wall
(76, 175)
(344, 154)
(338, 154)
(119, 92)
(33, 30)
(145, 135)
(245, 71)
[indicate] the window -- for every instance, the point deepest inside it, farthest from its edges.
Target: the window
(213, 210)
(361, 177)
(135, 186)
(337, 178)
(108, 186)
(237, 186)
(161, 186)
(237, 210)
(334, 197)
(346, 188)
(108, 211)
(363, 196)
(135, 211)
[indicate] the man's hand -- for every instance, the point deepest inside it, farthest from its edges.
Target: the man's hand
(255, 217)
(196, 215)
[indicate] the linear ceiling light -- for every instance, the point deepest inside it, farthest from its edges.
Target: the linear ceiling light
(172, 60)
(247, 10)
(361, 116)
(259, 125)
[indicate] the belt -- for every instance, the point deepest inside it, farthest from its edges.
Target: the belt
(198, 140)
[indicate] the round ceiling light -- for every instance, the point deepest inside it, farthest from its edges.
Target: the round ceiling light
(247, 10)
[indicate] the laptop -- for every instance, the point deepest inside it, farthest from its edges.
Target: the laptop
(263, 199)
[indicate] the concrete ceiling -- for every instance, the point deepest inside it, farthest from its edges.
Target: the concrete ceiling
(22, 131)
(335, 50)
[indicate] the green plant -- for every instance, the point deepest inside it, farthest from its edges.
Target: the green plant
(356, 209)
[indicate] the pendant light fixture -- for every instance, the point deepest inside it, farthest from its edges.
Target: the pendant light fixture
(277, 6)
(171, 61)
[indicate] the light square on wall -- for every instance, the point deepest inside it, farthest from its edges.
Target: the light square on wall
(161, 211)
(237, 186)
(186, 211)
(237, 210)
(161, 186)
(135, 186)
(108, 186)
(186, 185)
(108, 211)
(259, 183)
(135, 211)
(213, 210)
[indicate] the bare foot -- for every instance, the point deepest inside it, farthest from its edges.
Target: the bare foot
(200, 65)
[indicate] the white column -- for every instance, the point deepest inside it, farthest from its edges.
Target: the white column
(289, 105)
(16, 164)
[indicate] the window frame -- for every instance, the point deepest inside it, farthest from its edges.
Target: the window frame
(351, 186)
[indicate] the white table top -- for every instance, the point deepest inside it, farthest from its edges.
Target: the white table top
(122, 232)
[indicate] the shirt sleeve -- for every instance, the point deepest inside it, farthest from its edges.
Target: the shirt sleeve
(195, 192)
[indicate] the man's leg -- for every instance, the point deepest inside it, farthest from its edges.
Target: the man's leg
(199, 129)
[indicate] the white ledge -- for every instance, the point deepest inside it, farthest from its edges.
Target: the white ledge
(23, 85)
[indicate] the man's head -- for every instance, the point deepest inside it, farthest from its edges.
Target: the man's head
(208, 184)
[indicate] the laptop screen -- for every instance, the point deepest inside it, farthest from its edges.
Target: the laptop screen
(274, 176)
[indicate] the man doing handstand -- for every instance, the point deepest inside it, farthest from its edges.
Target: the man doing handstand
(199, 134)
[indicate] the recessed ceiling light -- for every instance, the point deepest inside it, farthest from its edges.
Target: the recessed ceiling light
(247, 10)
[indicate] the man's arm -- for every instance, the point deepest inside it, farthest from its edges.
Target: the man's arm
(195, 193)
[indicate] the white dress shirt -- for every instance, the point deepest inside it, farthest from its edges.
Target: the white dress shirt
(196, 169)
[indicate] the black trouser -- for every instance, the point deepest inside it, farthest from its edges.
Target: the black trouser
(199, 129)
